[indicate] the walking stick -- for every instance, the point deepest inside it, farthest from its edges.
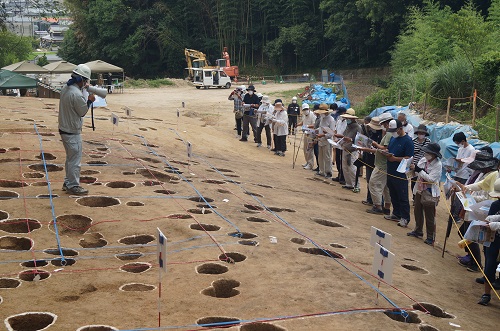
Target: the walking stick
(294, 140)
(298, 150)
(92, 115)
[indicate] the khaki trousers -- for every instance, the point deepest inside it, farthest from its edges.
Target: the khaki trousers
(325, 159)
(308, 151)
(378, 187)
(430, 217)
(348, 167)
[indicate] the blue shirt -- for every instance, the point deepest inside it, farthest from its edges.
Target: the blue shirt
(400, 147)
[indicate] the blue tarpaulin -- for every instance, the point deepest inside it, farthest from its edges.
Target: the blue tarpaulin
(437, 132)
(326, 95)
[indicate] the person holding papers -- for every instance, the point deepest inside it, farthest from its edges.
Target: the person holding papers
(426, 191)
(400, 148)
(326, 131)
(465, 152)
(308, 120)
(349, 152)
(378, 179)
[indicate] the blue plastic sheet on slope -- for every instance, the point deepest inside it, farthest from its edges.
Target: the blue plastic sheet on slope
(437, 132)
(323, 94)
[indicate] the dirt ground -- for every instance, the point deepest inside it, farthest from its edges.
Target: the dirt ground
(288, 283)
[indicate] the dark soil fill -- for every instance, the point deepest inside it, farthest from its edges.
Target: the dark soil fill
(30, 321)
(212, 269)
(20, 225)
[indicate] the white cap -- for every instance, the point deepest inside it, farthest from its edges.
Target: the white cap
(259, 95)
(294, 98)
(305, 106)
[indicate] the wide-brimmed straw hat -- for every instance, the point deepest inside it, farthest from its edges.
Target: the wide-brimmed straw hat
(323, 109)
(433, 148)
(349, 114)
(422, 129)
(384, 117)
(375, 123)
(496, 189)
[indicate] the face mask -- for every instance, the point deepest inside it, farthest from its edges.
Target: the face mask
(334, 112)
(421, 136)
(428, 156)
(394, 134)
(294, 101)
(349, 122)
(307, 112)
(250, 92)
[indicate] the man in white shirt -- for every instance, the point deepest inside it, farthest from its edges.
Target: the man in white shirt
(465, 155)
(407, 127)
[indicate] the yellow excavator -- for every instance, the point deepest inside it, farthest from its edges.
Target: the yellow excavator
(198, 60)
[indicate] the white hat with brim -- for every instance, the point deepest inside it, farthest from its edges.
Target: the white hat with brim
(266, 99)
(384, 117)
(496, 189)
(305, 106)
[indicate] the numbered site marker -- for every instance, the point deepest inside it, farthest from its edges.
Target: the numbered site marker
(380, 237)
(189, 149)
(383, 264)
(161, 250)
(114, 119)
(128, 112)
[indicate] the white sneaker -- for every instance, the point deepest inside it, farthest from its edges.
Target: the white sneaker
(305, 165)
(308, 167)
(403, 223)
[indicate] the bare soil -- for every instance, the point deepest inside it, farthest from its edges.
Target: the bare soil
(260, 279)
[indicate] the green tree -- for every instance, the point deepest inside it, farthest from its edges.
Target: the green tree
(42, 60)
(423, 44)
(13, 48)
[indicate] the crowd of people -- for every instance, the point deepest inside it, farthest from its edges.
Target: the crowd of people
(396, 157)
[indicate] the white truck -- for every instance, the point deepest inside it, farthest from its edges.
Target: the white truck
(210, 78)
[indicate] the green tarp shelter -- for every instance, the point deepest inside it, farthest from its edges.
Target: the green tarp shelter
(12, 80)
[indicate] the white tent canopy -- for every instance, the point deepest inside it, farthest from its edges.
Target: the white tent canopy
(60, 67)
(99, 66)
(26, 67)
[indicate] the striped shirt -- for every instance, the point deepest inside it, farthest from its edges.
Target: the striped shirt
(417, 146)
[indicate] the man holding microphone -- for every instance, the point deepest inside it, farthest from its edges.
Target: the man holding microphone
(72, 108)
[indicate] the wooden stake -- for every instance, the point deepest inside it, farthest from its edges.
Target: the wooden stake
(448, 110)
(498, 121)
(474, 108)
(425, 106)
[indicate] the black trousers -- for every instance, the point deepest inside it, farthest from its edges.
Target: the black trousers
(338, 161)
(258, 137)
(238, 125)
(280, 143)
(292, 123)
(398, 189)
(316, 152)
